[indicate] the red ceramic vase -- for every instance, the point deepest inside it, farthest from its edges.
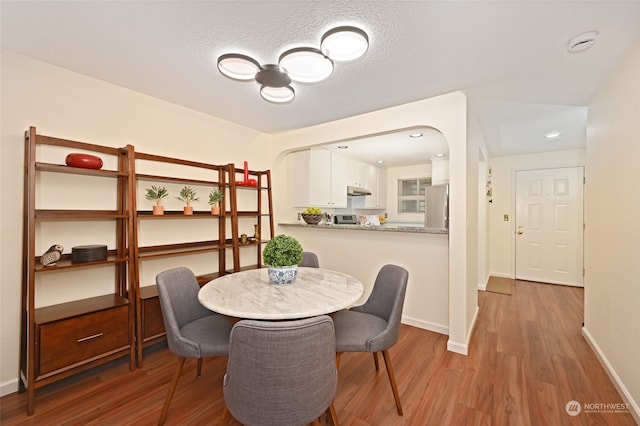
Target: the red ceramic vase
(84, 161)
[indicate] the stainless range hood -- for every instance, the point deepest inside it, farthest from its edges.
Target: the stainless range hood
(356, 190)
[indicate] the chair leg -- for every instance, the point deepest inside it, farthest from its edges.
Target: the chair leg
(375, 360)
(332, 415)
(338, 360)
(392, 379)
(172, 388)
(199, 373)
(224, 419)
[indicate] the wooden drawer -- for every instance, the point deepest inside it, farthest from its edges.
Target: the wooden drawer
(81, 338)
(152, 324)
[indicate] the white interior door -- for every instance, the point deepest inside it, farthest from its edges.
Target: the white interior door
(549, 225)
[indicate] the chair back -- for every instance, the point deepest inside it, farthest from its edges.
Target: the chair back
(281, 373)
(386, 300)
(178, 293)
(309, 260)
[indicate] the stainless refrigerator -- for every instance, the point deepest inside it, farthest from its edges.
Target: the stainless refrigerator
(436, 209)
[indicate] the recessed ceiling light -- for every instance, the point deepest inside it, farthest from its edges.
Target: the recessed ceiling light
(552, 135)
(380, 161)
(582, 42)
(439, 155)
(343, 146)
(415, 135)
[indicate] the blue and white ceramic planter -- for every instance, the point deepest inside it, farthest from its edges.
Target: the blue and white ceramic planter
(283, 274)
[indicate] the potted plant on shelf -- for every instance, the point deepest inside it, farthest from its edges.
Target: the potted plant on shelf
(215, 196)
(156, 194)
(188, 196)
(282, 254)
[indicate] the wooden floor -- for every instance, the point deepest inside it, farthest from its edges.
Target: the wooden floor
(527, 360)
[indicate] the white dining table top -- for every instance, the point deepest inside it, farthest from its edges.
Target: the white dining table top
(250, 294)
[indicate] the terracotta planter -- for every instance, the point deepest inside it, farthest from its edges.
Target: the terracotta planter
(215, 210)
(188, 210)
(158, 210)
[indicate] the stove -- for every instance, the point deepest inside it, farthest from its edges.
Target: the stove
(345, 219)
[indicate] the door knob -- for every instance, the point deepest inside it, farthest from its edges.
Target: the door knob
(520, 230)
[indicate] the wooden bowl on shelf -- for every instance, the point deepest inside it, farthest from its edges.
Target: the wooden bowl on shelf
(312, 219)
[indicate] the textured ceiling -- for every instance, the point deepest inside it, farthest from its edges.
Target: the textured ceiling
(509, 57)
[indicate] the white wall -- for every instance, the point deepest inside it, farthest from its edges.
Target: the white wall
(501, 233)
(363, 253)
(65, 104)
(447, 114)
(612, 255)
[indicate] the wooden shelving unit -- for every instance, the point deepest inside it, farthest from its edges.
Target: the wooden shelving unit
(150, 327)
(65, 338)
(259, 204)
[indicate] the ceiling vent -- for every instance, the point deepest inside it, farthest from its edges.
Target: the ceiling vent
(582, 42)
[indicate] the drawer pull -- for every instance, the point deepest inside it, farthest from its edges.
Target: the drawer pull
(90, 337)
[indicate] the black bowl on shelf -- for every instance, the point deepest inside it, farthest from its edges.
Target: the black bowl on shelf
(312, 219)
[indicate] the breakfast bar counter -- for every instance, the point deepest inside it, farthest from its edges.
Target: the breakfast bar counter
(387, 227)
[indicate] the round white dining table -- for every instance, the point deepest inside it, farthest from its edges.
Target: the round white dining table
(249, 294)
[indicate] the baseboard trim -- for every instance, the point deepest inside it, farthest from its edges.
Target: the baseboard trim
(8, 387)
(426, 325)
(634, 409)
(463, 348)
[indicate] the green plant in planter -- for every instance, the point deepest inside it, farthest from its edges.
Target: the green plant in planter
(187, 195)
(282, 250)
(215, 196)
(156, 194)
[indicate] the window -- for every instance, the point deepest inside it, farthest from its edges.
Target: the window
(411, 195)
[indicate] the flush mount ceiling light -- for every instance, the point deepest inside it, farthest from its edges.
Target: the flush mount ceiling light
(582, 42)
(415, 135)
(344, 44)
(301, 65)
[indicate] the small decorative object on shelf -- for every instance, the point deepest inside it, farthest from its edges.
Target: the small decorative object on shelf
(156, 194)
(282, 254)
(256, 232)
(84, 161)
(51, 256)
(89, 253)
(245, 180)
(215, 196)
(244, 239)
(188, 196)
(312, 215)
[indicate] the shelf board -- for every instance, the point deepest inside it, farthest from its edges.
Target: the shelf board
(58, 168)
(77, 307)
(80, 214)
(65, 263)
(146, 177)
(177, 213)
(246, 268)
(151, 291)
(150, 252)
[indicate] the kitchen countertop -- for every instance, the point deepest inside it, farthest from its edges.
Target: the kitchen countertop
(387, 227)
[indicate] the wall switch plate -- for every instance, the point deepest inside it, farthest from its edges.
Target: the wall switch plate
(506, 218)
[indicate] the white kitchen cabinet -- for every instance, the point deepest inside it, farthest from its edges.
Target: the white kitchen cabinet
(376, 183)
(356, 173)
(319, 178)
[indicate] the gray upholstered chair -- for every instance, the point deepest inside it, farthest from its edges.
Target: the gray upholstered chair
(193, 331)
(309, 260)
(281, 372)
(375, 326)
